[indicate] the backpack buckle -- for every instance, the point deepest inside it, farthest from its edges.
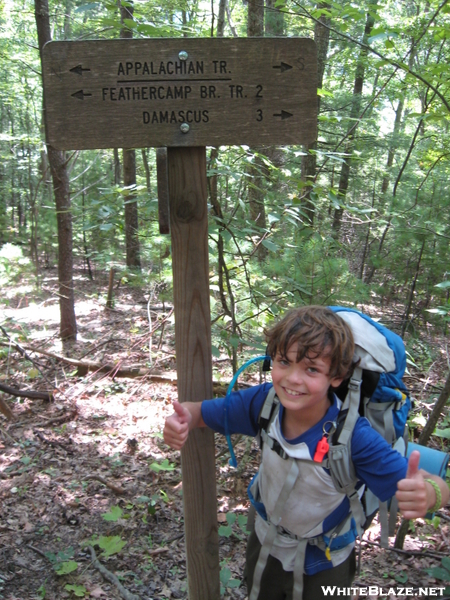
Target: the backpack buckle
(354, 384)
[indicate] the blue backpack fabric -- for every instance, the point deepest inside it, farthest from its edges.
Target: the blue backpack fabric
(383, 362)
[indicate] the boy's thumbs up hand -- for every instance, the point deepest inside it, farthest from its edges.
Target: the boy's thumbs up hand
(412, 493)
(413, 464)
(176, 427)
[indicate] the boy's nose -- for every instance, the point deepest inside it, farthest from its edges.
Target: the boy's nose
(295, 376)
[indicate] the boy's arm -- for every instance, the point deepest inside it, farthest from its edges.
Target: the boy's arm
(186, 416)
(415, 495)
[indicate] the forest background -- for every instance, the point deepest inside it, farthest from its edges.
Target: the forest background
(360, 217)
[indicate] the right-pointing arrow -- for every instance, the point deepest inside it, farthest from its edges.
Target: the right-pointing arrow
(283, 114)
(283, 67)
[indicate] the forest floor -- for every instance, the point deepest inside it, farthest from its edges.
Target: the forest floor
(90, 468)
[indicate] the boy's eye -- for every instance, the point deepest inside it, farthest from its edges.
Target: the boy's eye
(283, 361)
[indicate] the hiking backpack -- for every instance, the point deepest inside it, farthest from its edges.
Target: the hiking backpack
(375, 391)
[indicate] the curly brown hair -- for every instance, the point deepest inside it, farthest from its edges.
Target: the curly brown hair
(319, 332)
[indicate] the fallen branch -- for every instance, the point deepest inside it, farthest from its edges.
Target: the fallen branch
(158, 551)
(409, 552)
(26, 393)
(176, 537)
(54, 443)
(126, 595)
(111, 486)
(37, 551)
(67, 416)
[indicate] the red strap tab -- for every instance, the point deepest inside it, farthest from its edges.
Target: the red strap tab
(322, 448)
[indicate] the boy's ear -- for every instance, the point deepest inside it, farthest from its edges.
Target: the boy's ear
(336, 382)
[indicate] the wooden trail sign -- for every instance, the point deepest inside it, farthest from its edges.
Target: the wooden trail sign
(180, 92)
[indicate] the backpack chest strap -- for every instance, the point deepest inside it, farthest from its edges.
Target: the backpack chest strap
(266, 547)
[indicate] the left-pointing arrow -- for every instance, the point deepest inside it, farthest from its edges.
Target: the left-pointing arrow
(283, 114)
(78, 70)
(80, 95)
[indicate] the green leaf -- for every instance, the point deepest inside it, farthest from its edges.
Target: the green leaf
(225, 530)
(149, 30)
(225, 575)
(231, 518)
(143, 500)
(79, 590)
(242, 522)
(66, 567)
(442, 433)
(402, 577)
(114, 514)
(110, 544)
(443, 285)
(439, 573)
(164, 466)
(86, 7)
(270, 245)
(130, 23)
(322, 92)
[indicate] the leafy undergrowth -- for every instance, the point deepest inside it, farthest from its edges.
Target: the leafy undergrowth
(89, 473)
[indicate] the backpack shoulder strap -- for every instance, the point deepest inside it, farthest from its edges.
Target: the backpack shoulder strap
(267, 416)
(340, 462)
(350, 409)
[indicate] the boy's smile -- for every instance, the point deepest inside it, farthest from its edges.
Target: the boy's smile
(302, 387)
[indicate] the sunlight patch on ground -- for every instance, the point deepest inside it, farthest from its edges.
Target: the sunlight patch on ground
(34, 313)
(18, 290)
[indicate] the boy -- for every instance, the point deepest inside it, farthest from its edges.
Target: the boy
(299, 511)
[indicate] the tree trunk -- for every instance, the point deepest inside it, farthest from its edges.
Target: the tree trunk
(256, 178)
(147, 170)
(117, 168)
(309, 161)
(133, 258)
(131, 213)
(58, 166)
(274, 25)
(221, 18)
(411, 291)
(354, 116)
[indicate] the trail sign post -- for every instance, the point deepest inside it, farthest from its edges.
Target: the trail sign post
(184, 94)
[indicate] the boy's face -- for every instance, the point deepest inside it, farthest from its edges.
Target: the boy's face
(303, 385)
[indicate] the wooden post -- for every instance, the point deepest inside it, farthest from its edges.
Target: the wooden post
(189, 234)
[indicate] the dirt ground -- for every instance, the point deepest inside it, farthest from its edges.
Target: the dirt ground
(90, 468)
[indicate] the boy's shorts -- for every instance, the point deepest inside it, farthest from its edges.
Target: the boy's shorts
(277, 584)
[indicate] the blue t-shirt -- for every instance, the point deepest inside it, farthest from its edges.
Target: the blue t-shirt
(377, 465)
